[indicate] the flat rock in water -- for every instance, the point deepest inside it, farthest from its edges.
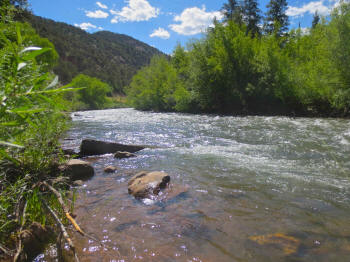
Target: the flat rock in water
(77, 169)
(146, 184)
(91, 147)
(121, 154)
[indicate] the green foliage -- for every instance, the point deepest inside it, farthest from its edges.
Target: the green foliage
(316, 19)
(47, 59)
(113, 58)
(31, 121)
(252, 16)
(233, 11)
(276, 20)
(230, 72)
(92, 94)
(155, 87)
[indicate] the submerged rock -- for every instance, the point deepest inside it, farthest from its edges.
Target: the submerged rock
(77, 169)
(121, 154)
(91, 147)
(288, 244)
(145, 184)
(110, 169)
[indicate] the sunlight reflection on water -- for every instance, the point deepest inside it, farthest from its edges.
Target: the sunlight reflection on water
(261, 188)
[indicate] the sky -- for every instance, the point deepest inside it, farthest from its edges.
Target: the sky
(160, 23)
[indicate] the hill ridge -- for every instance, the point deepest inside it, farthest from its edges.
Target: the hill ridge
(112, 57)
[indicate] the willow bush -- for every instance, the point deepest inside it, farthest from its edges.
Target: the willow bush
(31, 122)
(228, 71)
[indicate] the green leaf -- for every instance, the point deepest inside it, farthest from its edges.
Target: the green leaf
(19, 36)
(4, 38)
(8, 144)
(30, 48)
(53, 83)
(21, 65)
(4, 154)
(33, 54)
(12, 123)
(53, 91)
(29, 111)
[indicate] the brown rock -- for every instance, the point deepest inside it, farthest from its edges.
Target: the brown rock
(78, 183)
(90, 147)
(35, 238)
(121, 154)
(110, 169)
(77, 169)
(145, 184)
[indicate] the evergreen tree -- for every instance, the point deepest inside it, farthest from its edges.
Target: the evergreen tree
(252, 16)
(276, 20)
(233, 11)
(316, 19)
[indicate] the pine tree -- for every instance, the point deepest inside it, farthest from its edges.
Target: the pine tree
(316, 19)
(276, 20)
(252, 16)
(232, 11)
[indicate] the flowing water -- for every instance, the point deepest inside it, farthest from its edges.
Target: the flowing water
(250, 188)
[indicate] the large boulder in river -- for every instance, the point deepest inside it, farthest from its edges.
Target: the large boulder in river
(91, 147)
(77, 169)
(145, 184)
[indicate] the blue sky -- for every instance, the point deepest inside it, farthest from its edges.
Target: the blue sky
(159, 23)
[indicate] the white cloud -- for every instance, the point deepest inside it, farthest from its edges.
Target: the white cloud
(310, 8)
(100, 5)
(135, 11)
(161, 33)
(85, 26)
(97, 14)
(194, 20)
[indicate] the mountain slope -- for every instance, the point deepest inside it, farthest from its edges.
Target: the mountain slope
(113, 58)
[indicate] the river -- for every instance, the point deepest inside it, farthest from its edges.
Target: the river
(259, 188)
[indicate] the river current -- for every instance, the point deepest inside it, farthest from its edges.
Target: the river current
(250, 188)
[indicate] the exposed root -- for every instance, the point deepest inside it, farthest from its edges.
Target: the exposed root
(59, 247)
(6, 251)
(63, 230)
(69, 216)
(65, 209)
(22, 218)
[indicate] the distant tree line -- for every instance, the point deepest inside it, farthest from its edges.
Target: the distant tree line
(249, 64)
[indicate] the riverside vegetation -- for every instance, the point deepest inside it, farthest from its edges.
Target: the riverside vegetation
(240, 68)
(32, 119)
(237, 68)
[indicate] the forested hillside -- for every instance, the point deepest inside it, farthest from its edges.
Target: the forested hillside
(113, 58)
